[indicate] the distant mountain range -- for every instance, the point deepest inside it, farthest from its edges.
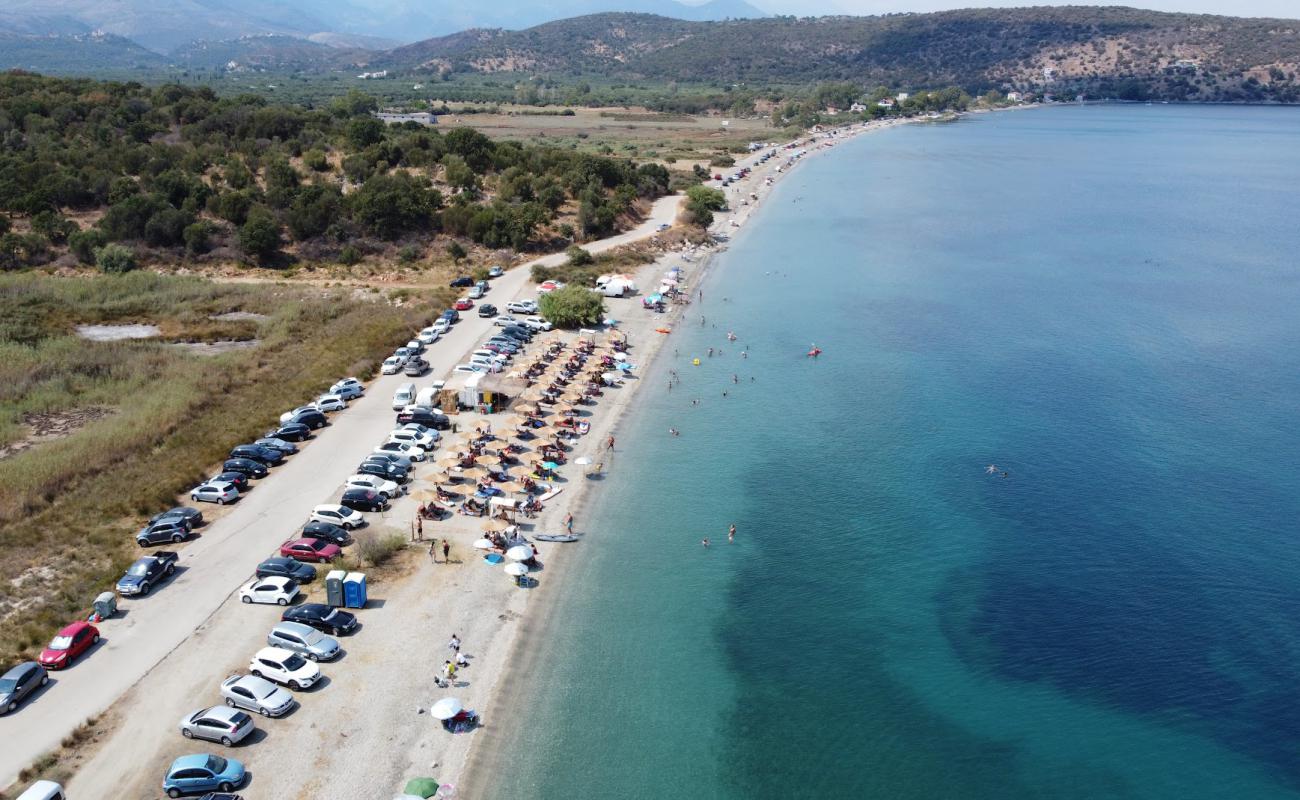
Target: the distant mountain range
(165, 25)
(1107, 52)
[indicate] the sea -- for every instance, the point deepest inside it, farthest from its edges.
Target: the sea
(1029, 526)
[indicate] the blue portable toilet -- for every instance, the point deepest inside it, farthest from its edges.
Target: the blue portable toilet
(354, 590)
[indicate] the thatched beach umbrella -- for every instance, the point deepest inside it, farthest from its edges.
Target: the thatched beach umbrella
(495, 525)
(490, 460)
(474, 473)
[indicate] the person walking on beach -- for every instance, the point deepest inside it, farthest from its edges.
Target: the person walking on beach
(446, 551)
(454, 643)
(568, 522)
(433, 552)
(419, 529)
(731, 533)
(609, 444)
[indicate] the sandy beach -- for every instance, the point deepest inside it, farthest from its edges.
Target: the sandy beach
(374, 704)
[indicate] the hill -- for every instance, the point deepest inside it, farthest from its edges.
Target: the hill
(82, 53)
(1109, 51)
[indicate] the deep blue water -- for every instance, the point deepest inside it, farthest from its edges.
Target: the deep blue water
(1102, 301)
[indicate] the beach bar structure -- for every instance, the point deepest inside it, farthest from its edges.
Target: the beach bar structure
(482, 392)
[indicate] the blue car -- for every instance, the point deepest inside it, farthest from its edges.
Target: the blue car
(202, 772)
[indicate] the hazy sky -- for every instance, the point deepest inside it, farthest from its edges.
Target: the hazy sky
(1287, 9)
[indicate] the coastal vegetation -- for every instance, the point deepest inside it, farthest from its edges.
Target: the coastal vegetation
(176, 173)
(139, 422)
(572, 307)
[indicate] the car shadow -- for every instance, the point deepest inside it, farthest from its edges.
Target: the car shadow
(258, 736)
(318, 685)
(375, 602)
(35, 697)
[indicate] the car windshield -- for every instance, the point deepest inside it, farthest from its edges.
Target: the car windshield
(139, 568)
(7, 685)
(61, 643)
(217, 764)
(294, 663)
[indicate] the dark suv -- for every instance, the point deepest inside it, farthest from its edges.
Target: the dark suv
(487, 310)
(311, 418)
(328, 531)
(424, 416)
(254, 469)
(257, 452)
(464, 281)
(360, 499)
(170, 529)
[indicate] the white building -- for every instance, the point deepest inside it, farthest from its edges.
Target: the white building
(902, 97)
(396, 118)
(1015, 97)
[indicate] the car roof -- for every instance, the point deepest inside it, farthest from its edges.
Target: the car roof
(295, 627)
(278, 580)
(249, 681)
(191, 761)
(274, 653)
(20, 669)
(222, 712)
(328, 507)
(221, 484)
(73, 627)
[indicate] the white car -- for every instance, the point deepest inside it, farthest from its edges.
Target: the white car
(392, 365)
(442, 325)
(348, 388)
(486, 364)
(522, 307)
(388, 489)
(219, 492)
(256, 694)
(285, 668)
(469, 368)
(330, 402)
(476, 292)
(491, 355)
(427, 438)
(402, 449)
(415, 346)
(536, 323)
(336, 514)
(504, 320)
(276, 590)
(496, 272)
(288, 415)
(429, 335)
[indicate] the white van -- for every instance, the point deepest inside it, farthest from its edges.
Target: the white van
(404, 396)
(43, 790)
(427, 397)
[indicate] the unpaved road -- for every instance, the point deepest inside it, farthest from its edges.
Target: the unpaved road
(214, 565)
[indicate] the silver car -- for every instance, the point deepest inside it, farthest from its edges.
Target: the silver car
(304, 640)
(217, 724)
(256, 694)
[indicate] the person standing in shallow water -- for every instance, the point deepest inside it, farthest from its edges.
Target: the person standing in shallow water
(731, 533)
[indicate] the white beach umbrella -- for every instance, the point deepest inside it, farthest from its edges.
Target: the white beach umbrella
(516, 570)
(446, 708)
(482, 544)
(519, 553)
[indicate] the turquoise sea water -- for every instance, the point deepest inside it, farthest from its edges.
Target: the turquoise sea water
(1102, 301)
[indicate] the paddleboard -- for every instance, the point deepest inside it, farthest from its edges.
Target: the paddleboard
(553, 492)
(555, 537)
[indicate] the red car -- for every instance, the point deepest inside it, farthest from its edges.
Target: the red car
(310, 550)
(464, 304)
(69, 644)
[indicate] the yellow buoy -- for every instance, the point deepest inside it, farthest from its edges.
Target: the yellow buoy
(696, 362)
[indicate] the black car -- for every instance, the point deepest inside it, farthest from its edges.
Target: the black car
(281, 567)
(415, 367)
(283, 446)
(239, 479)
(464, 281)
(517, 332)
(169, 529)
(291, 432)
(192, 516)
(328, 531)
(359, 499)
(267, 455)
(487, 310)
(323, 618)
(389, 472)
(424, 416)
(251, 468)
(310, 417)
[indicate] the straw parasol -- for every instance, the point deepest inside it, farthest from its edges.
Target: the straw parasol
(474, 472)
(449, 461)
(510, 486)
(518, 472)
(515, 420)
(425, 494)
(531, 458)
(490, 460)
(497, 525)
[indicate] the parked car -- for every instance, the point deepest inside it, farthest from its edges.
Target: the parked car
(330, 403)
(384, 470)
(279, 591)
(475, 293)
(214, 492)
(392, 365)
(19, 683)
(522, 307)
(549, 286)
(304, 640)
(415, 367)
(69, 644)
(324, 618)
(428, 440)
(326, 531)
(500, 348)
(536, 324)
(281, 567)
(217, 724)
(424, 416)
(360, 499)
(45, 790)
(405, 353)
(441, 325)
(202, 772)
(518, 332)
(463, 304)
(487, 310)
(415, 346)
(284, 446)
(486, 364)
(468, 368)
(348, 387)
(192, 516)
(283, 667)
(237, 479)
(462, 281)
(401, 449)
(496, 272)
(337, 514)
(429, 335)
(166, 530)
(374, 483)
(257, 452)
(503, 320)
(419, 428)
(147, 573)
(390, 458)
(491, 355)
(310, 417)
(316, 550)
(254, 469)
(256, 694)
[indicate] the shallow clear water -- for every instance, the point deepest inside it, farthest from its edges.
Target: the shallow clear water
(1102, 301)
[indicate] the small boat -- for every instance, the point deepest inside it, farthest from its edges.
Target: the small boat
(555, 537)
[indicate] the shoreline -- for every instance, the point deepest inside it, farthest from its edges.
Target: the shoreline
(484, 753)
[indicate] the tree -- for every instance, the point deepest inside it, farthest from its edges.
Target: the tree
(456, 251)
(701, 202)
(579, 257)
(365, 131)
(83, 244)
(572, 307)
(197, 238)
(390, 205)
(260, 235)
(115, 258)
